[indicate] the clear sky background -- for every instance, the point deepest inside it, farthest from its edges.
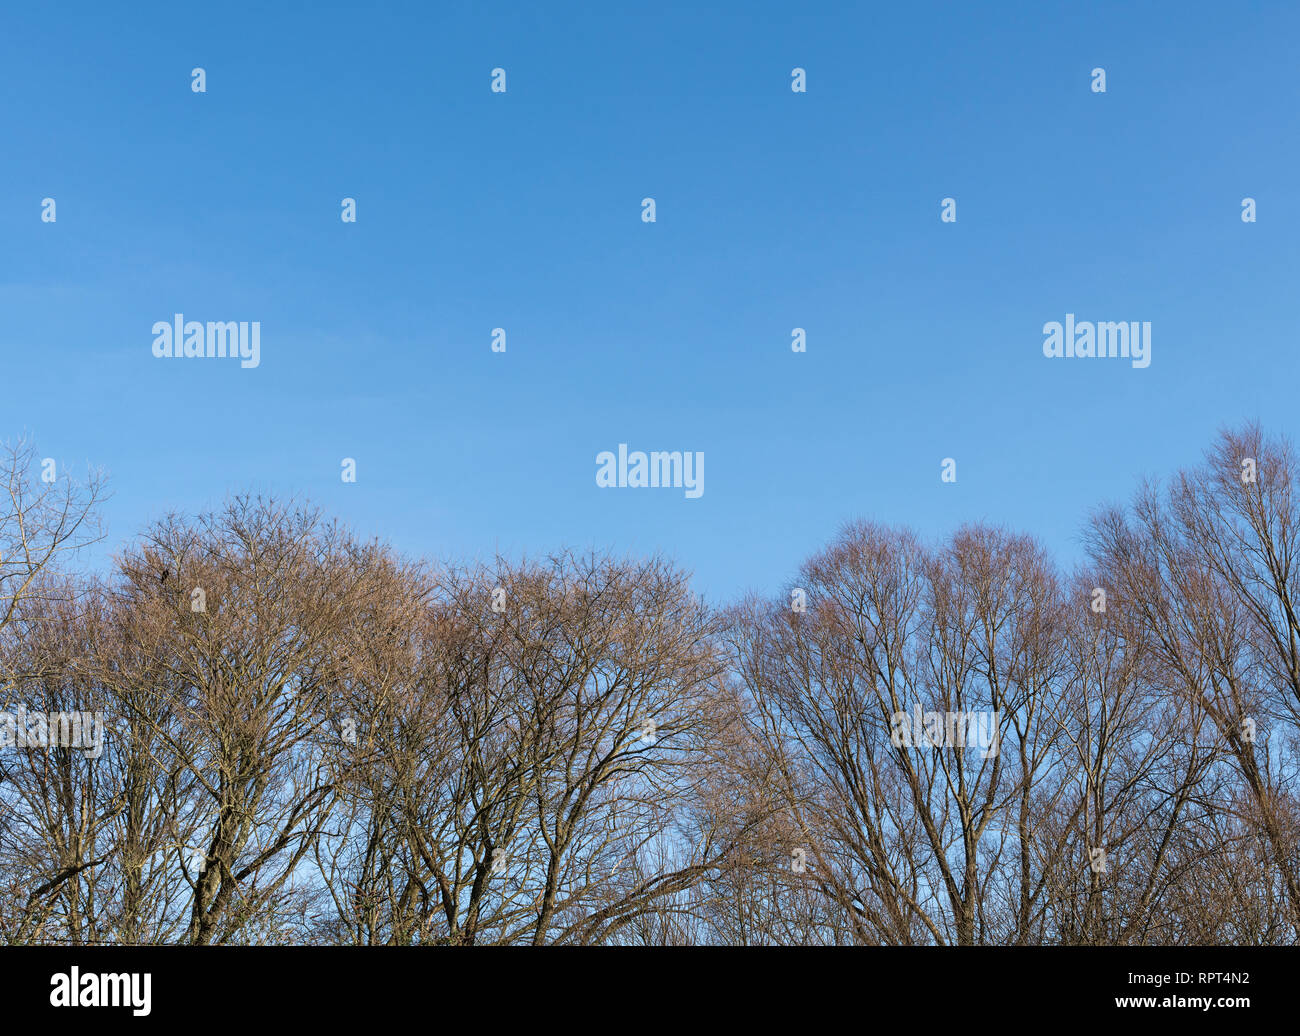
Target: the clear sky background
(775, 210)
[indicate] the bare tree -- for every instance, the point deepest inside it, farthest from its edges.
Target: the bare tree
(311, 739)
(1210, 566)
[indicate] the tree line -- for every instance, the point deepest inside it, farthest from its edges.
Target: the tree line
(310, 738)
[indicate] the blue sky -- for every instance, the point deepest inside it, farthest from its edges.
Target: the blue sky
(522, 210)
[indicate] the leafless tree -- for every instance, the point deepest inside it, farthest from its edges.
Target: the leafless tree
(312, 739)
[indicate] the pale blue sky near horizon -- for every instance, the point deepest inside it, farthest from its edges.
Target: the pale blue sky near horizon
(522, 210)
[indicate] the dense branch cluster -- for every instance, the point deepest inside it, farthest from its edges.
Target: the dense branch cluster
(309, 738)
